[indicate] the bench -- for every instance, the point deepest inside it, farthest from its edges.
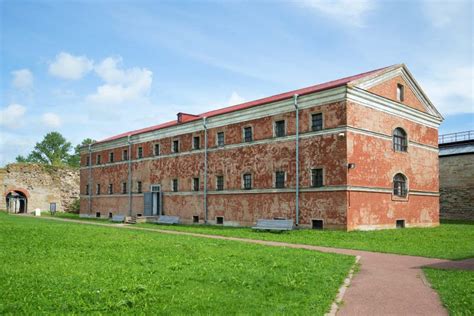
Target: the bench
(274, 224)
(118, 218)
(166, 219)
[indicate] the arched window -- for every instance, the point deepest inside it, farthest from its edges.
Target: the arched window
(400, 185)
(399, 139)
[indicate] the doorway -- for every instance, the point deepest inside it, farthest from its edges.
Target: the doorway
(17, 202)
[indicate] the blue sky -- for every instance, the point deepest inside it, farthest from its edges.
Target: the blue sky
(97, 68)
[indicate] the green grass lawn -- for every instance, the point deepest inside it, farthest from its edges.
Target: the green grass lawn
(49, 267)
(456, 289)
(448, 241)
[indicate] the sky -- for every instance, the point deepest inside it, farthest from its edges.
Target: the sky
(93, 69)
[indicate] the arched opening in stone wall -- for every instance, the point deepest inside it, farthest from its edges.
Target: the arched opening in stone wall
(17, 202)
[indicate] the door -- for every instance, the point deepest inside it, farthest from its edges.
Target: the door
(148, 203)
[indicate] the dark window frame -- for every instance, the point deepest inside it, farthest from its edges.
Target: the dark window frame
(220, 183)
(220, 141)
(98, 159)
(175, 185)
(196, 142)
(124, 188)
(97, 189)
(400, 140)
(248, 134)
(400, 185)
(139, 187)
(247, 181)
(175, 146)
(317, 177)
(280, 179)
(87, 189)
(196, 184)
(156, 149)
(125, 154)
(110, 189)
(140, 152)
(316, 122)
(280, 128)
(111, 156)
(400, 92)
(88, 160)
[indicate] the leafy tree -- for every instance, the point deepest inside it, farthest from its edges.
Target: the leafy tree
(52, 150)
(75, 159)
(21, 158)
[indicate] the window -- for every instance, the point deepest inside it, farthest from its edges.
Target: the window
(125, 154)
(317, 224)
(195, 184)
(400, 93)
(196, 142)
(279, 128)
(317, 178)
(399, 140)
(248, 137)
(97, 189)
(247, 181)
(156, 149)
(175, 185)
(220, 139)
(97, 214)
(124, 187)
(139, 186)
(111, 188)
(140, 152)
(317, 122)
(88, 161)
(400, 223)
(219, 220)
(98, 159)
(279, 179)
(87, 189)
(195, 218)
(220, 183)
(111, 157)
(110, 215)
(176, 146)
(400, 185)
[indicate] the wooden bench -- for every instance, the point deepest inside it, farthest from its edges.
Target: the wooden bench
(118, 218)
(169, 220)
(274, 224)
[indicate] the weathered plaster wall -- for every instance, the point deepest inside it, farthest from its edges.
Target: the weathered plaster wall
(457, 187)
(44, 185)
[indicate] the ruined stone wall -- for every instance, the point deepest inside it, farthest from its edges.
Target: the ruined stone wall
(457, 187)
(42, 184)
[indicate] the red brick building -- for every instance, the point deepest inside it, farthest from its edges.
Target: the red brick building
(367, 149)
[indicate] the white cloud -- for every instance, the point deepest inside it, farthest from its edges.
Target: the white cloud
(51, 120)
(121, 85)
(11, 116)
(443, 13)
(347, 11)
(451, 90)
(71, 67)
(235, 98)
(22, 79)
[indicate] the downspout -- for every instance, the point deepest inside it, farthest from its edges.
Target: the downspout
(129, 184)
(89, 180)
(205, 169)
(297, 197)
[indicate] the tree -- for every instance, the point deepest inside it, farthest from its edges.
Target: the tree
(52, 150)
(75, 159)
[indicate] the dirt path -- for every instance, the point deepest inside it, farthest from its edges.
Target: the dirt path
(386, 284)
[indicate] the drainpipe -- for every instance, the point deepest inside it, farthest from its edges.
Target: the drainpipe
(129, 184)
(89, 180)
(297, 197)
(205, 169)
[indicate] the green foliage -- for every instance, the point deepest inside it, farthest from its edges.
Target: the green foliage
(449, 241)
(51, 267)
(54, 150)
(75, 206)
(456, 289)
(75, 159)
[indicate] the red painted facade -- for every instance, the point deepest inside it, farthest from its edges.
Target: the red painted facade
(354, 149)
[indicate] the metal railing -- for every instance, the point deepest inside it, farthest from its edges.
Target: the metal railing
(456, 137)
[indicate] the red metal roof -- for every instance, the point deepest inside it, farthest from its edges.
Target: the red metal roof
(246, 105)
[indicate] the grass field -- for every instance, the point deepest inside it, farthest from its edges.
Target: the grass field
(456, 289)
(49, 267)
(448, 241)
